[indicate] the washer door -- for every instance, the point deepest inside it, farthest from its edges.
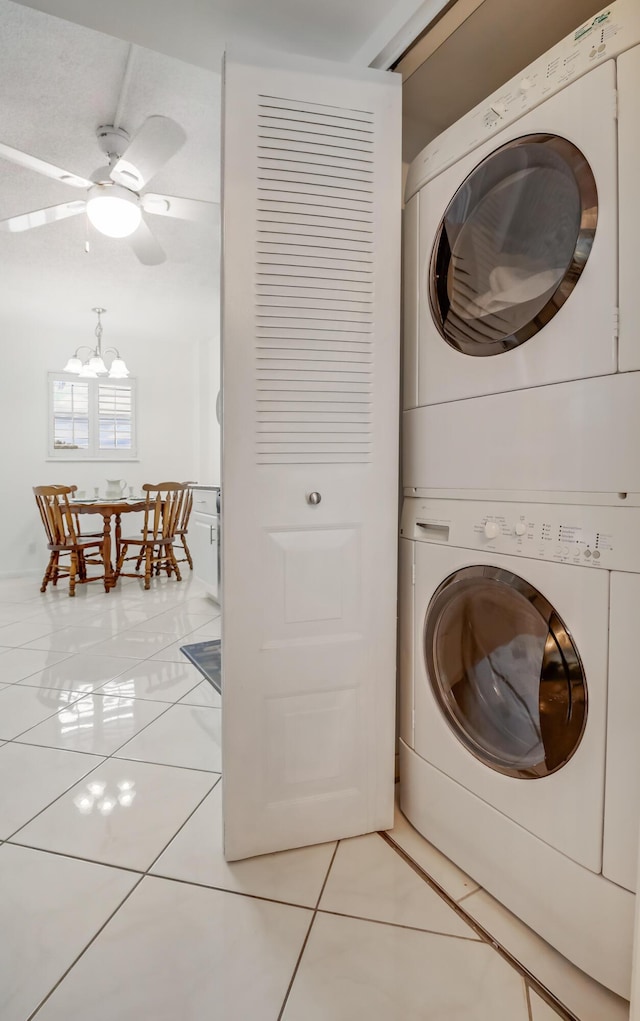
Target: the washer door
(505, 672)
(512, 244)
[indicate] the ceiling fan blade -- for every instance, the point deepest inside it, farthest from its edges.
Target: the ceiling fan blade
(23, 159)
(153, 144)
(25, 221)
(182, 209)
(146, 247)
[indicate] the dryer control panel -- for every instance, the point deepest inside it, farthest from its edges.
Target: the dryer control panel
(615, 29)
(598, 537)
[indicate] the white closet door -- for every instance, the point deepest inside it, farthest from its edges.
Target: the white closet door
(310, 354)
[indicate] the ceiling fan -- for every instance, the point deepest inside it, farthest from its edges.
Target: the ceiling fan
(115, 202)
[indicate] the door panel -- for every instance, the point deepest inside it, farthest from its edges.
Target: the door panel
(311, 209)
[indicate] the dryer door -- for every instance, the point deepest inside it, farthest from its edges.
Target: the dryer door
(512, 244)
(505, 672)
(518, 251)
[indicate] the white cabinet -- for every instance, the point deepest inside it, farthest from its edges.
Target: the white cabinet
(203, 539)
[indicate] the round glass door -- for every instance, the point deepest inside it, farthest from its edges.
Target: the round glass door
(505, 672)
(512, 244)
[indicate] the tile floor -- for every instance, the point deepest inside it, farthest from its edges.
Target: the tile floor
(115, 899)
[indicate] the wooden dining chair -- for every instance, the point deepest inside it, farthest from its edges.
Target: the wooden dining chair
(183, 526)
(64, 541)
(76, 517)
(154, 545)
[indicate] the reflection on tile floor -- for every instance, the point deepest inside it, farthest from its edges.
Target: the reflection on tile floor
(113, 884)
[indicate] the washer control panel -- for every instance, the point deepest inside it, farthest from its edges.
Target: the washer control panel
(602, 37)
(596, 537)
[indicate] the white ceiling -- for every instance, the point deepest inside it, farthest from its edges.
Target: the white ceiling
(61, 79)
(58, 82)
(199, 30)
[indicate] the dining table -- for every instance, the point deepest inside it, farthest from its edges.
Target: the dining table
(109, 509)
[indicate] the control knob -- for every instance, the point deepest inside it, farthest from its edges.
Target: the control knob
(520, 528)
(491, 529)
(525, 85)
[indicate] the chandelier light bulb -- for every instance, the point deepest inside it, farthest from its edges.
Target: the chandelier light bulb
(118, 369)
(97, 366)
(73, 365)
(113, 210)
(86, 372)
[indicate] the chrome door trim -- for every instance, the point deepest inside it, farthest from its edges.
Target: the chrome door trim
(563, 697)
(439, 263)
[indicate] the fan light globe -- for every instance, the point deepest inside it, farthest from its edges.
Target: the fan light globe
(73, 365)
(113, 210)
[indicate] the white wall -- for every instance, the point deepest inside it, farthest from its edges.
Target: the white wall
(173, 406)
(208, 428)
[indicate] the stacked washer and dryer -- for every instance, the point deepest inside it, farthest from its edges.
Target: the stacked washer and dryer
(520, 529)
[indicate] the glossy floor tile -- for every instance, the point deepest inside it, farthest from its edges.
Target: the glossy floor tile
(175, 951)
(96, 723)
(156, 680)
(203, 694)
(172, 653)
(452, 879)
(50, 908)
(195, 855)
(177, 622)
(185, 735)
(79, 672)
(354, 969)
(109, 777)
(17, 664)
(123, 813)
(133, 644)
(17, 634)
(70, 639)
(21, 707)
(31, 778)
(541, 1011)
(368, 879)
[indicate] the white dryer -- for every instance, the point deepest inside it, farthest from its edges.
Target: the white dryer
(512, 228)
(520, 707)
(522, 346)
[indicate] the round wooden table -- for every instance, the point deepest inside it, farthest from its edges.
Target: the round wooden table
(108, 509)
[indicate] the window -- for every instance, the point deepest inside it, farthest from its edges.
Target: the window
(91, 419)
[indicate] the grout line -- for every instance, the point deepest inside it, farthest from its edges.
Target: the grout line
(527, 999)
(545, 994)
(57, 798)
(469, 894)
(306, 939)
(83, 951)
(400, 925)
(143, 875)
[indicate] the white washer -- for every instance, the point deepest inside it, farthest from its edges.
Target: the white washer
(512, 227)
(519, 711)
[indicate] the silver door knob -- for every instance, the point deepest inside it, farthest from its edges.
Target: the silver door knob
(313, 498)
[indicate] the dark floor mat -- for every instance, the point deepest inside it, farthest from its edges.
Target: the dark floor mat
(206, 656)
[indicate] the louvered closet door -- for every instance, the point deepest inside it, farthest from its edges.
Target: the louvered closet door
(311, 208)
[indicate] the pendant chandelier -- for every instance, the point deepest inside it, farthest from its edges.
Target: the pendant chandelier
(95, 365)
